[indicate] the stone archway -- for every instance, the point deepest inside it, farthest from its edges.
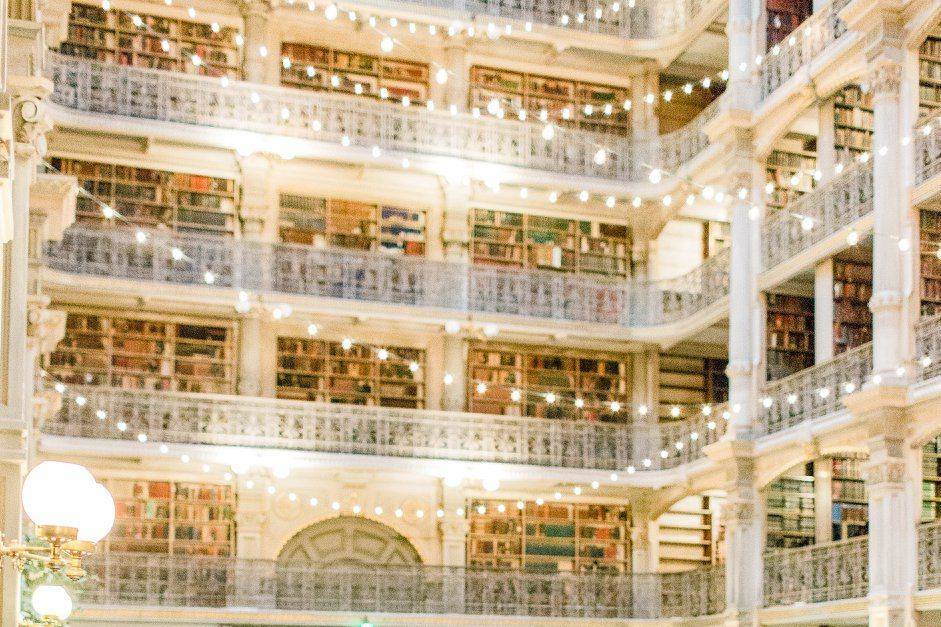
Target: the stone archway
(349, 541)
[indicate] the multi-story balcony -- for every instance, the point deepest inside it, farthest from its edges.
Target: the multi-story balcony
(818, 573)
(179, 418)
(349, 275)
(166, 582)
(301, 120)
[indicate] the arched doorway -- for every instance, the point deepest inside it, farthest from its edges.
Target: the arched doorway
(349, 564)
(348, 541)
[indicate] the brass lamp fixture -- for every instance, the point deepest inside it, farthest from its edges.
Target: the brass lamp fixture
(72, 513)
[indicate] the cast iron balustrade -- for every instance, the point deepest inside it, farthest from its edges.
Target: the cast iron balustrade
(927, 150)
(187, 581)
(215, 419)
(395, 279)
(813, 392)
(816, 33)
(837, 204)
(830, 571)
(928, 347)
(295, 114)
(644, 19)
(929, 555)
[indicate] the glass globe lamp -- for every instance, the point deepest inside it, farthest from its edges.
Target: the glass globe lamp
(52, 603)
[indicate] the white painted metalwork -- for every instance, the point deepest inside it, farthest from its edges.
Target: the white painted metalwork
(643, 19)
(216, 582)
(784, 60)
(929, 555)
(214, 419)
(928, 347)
(813, 217)
(364, 276)
(134, 92)
(821, 572)
(927, 150)
(813, 392)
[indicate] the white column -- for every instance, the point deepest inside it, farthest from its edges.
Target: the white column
(826, 140)
(890, 336)
(823, 501)
(433, 374)
(893, 492)
(455, 231)
(249, 366)
(645, 387)
(457, 89)
(259, 202)
(455, 368)
(261, 51)
(29, 126)
(823, 311)
(644, 121)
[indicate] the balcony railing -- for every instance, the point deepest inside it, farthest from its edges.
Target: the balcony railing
(186, 418)
(814, 392)
(928, 347)
(133, 92)
(214, 582)
(822, 572)
(330, 273)
(928, 150)
(646, 19)
(817, 215)
(929, 555)
(809, 39)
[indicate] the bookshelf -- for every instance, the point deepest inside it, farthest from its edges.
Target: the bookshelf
(850, 516)
(353, 225)
(596, 378)
(146, 354)
(790, 502)
(685, 535)
(853, 123)
(930, 237)
(160, 42)
(145, 197)
(852, 319)
(549, 538)
(319, 370)
(590, 106)
(689, 380)
(931, 480)
(321, 68)
(929, 75)
(790, 168)
(518, 240)
(784, 16)
(175, 518)
(790, 333)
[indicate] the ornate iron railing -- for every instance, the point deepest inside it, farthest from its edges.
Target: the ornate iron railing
(807, 41)
(332, 273)
(928, 150)
(366, 123)
(822, 572)
(186, 418)
(814, 392)
(929, 555)
(645, 19)
(216, 582)
(928, 347)
(817, 215)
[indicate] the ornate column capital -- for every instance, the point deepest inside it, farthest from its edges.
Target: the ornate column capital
(885, 77)
(44, 327)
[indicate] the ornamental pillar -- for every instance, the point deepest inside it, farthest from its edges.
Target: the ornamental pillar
(261, 50)
(894, 301)
(457, 89)
(743, 514)
(454, 377)
(893, 494)
(259, 209)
